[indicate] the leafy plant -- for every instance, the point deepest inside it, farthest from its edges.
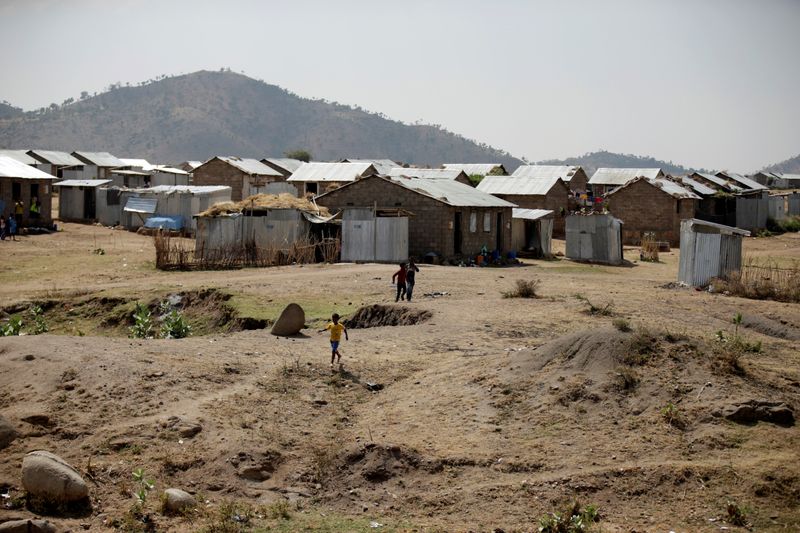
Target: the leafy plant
(174, 326)
(39, 323)
(144, 486)
(11, 328)
(143, 322)
(572, 519)
(673, 416)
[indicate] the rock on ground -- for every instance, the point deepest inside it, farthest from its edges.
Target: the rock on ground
(28, 526)
(177, 500)
(7, 433)
(46, 475)
(754, 411)
(291, 321)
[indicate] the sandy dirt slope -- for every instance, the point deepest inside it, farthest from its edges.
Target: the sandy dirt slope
(492, 412)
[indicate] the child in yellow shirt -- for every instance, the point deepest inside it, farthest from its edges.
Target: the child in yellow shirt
(336, 330)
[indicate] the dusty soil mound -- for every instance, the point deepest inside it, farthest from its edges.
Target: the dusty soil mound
(374, 316)
(377, 463)
(773, 328)
(206, 310)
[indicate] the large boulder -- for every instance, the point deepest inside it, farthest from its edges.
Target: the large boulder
(48, 476)
(291, 321)
(753, 411)
(28, 526)
(7, 433)
(178, 501)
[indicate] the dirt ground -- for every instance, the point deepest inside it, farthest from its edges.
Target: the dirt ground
(489, 414)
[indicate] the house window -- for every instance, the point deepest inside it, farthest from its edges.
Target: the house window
(473, 222)
(16, 191)
(487, 222)
(311, 188)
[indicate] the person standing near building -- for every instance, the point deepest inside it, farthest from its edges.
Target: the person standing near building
(12, 228)
(399, 277)
(410, 276)
(19, 209)
(35, 208)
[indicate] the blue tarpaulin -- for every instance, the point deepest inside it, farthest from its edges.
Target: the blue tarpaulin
(173, 223)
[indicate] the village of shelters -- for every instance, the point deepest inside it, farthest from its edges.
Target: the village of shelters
(386, 211)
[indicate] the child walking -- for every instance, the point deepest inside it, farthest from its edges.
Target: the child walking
(400, 276)
(336, 330)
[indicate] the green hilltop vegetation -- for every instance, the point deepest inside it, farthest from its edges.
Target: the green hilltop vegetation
(195, 116)
(9, 111)
(790, 166)
(602, 159)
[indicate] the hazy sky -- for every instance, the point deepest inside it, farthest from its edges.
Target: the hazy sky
(703, 83)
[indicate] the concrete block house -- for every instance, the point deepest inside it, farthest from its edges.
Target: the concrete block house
(532, 193)
(608, 179)
(575, 177)
(447, 218)
(58, 164)
(96, 165)
(451, 174)
(652, 206)
(318, 178)
(23, 183)
(245, 177)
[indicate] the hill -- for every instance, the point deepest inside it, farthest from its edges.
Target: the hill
(594, 160)
(9, 111)
(790, 166)
(196, 116)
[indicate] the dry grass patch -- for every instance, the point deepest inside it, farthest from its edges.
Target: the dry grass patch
(524, 288)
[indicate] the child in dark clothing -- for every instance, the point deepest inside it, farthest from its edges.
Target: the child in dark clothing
(400, 276)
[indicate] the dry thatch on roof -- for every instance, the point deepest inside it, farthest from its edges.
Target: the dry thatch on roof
(262, 202)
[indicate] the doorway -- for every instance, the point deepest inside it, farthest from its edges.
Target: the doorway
(457, 233)
(89, 203)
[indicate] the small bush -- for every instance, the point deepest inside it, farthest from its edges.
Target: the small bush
(592, 309)
(572, 519)
(649, 250)
(641, 346)
(621, 324)
(762, 282)
(737, 515)
(11, 328)
(230, 517)
(524, 289)
(791, 224)
(673, 416)
(39, 323)
(142, 323)
(174, 326)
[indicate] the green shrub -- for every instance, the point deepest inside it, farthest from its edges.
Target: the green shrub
(572, 519)
(142, 323)
(39, 323)
(174, 326)
(12, 327)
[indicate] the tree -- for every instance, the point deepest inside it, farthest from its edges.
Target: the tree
(84, 95)
(302, 155)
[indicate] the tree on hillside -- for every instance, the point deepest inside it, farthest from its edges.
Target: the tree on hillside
(302, 155)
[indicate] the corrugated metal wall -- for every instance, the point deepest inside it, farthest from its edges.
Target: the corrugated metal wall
(279, 229)
(70, 203)
(594, 238)
(707, 254)
(752, 212)
(369, 238)
(793, 209)
(777, 207)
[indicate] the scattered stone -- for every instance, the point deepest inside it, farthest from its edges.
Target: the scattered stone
(753, 411)
(119, 444)
(29, 357)
(178, 501)
(7, 433)
(38, 420)
(373, 386)
(291, 321)
(28, 526)
(187, 431)
(320, 401)
(48, 476)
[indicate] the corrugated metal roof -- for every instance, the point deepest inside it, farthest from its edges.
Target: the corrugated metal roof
(331, 172)
(192, 189)
(698, 187)
(450, 192)
(141, 205)
(621, 176)
(286, 163)
(472, 169)
(81, 183)
(564, 172)
(130, 172)
(742, 180)
(100, 159)
(521, 186)
(730, 230)
(530, 214)
(250, 166)
(427, 173)
(193, 164)
(11, 168)
(169, 170)
(668, 186)
(381, 165)
(141, 163)
(20, 155)
(716, 180)
(789, 176)
(61, 159)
